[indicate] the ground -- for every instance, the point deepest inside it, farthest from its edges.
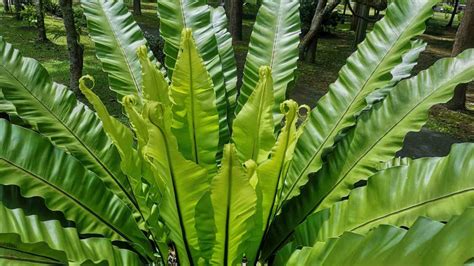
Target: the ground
(312, 79)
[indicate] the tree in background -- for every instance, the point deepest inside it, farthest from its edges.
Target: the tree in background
(361, 17)
(40, 21)
(453, 13)
(6, 6)
(308, 45)
(464, 40)
(137, 7)
(235, 13)
(354, 11)
(361, 21)
(74, 47)
(17, 9)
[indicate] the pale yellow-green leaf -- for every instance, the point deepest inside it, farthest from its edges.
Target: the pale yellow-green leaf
(186, 181)
(195, 117)
(253, 127)
(233, 201)
(154, 84)
(122, 137)
(271, 172)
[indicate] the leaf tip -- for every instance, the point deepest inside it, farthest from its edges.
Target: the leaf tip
(83, 83)
(264, 71)
(142, 52)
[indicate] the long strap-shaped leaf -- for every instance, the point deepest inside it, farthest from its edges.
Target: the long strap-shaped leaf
(400, 72)
(380, 133)
(186, 182)
(31, 162)
(154, 82)
(133, 165)
(426, 187)
(55, 112)
(273, 43)
(254, 140)
(376, 137)
(5, 105)
(227, 56)
(14, 253)
(27, 233)
(175, 16)
(122, 137)
(117, 38)
(233, 203)
(270, 173)
(427, 242)
(195, 117)
(366, 70)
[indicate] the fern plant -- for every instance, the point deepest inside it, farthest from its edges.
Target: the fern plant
(200, 176)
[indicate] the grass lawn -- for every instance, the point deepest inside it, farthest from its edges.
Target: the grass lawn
(54, 56)
(312, 79)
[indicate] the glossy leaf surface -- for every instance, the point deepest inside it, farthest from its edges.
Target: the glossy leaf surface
(273, 43)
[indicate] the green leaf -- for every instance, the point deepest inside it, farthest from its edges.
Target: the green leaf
(122, 137)
(284, 254)
(195, 117)
(50, 242)
(154, 83)
(31, 162)
(5, 105)
(380, 52)
(227, 56)
(136, 120)
(377, 136)
(140, 127)
(399, 72)
(186, 182)
(148, 189)
(11, 197)
(53, 110)
(274, 43)
(233, 202)
(393, 196)
(427, 242)
(253, 127)
(117, 38)
(16, 254)
(395, 162)
(271, 173)
(9, 109)
(175, 16)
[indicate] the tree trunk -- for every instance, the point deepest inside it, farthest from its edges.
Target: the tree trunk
(355, 19)
(227, 4)
(308, 45)
(17, 9)
(40, 21)
(137, 7)
(361, 28)
(75, 49)
(316, 24)
(464, 40)
(235, 19)
(6, 6)
(453, 14)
